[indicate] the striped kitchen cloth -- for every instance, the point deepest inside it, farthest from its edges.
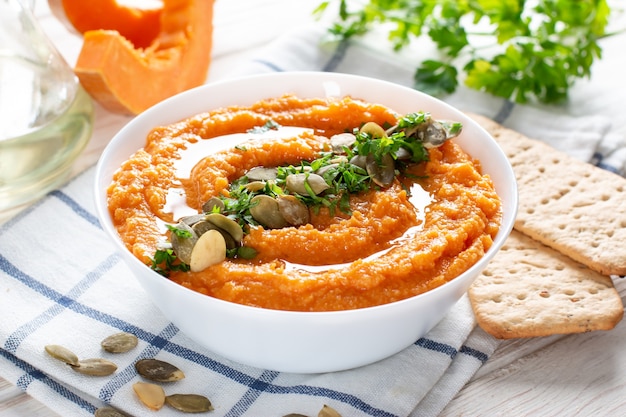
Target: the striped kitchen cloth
(62, 282)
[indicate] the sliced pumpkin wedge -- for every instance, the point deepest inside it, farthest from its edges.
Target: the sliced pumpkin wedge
(126, 79)
(139, 25)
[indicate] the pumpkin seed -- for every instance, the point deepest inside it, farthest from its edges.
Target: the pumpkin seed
(227, 224)
(212, 204)
(262, 174)
(265, 210)
(157, 370)
(296, 183)
(341, 141)
(183, 246)
(403, 154)
(359, 161)
(95, 367)
(151, 395)
(434, 135)
(255, 186)
(63, 354)
(323, 170)
(202, 227)
(193, 219)
(294, 211)
(109, 412)
(453, 129)
(328, 411)
(119, 342)
(210, 249)
(374, 130)
(381, 173)
(189, 403)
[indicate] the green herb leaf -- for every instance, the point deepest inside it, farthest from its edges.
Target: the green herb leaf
(246, 252)
(516, 49)
(435, 78)
(184, 234)
(269, 125)
(165, 262)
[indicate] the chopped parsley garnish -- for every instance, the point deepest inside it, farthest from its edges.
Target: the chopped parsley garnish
(181, 233)
(165, 261)
(342, 176)
(269, 125)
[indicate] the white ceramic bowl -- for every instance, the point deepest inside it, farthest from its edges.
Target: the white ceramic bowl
(303, 342)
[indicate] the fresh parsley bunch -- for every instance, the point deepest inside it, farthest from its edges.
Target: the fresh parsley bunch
(517, 49)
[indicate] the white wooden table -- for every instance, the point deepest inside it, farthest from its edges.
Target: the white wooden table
(576, 375)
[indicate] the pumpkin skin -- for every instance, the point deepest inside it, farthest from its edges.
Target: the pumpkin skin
(128, 80)
(139, 26)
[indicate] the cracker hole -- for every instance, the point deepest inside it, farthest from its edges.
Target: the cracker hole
(556, 161)
(623, 223)
(573, 183)
(530, 210)
(496, 299)
(619, 189)
(542, 170)
(593, 291)
(605, 197)
(544, 294)
(595, 244)
(610, 233)
(577, 216)
(562, 226)
(545, 201)
(559, 267)
(521, 297)
(512, 271)
(569, 292)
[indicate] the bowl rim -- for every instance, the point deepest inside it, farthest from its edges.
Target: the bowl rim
(102, 174)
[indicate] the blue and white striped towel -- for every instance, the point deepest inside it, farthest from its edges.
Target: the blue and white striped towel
(62, 282)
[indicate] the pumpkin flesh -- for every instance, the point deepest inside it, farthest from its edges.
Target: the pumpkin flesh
(126, 79)
(139, 26)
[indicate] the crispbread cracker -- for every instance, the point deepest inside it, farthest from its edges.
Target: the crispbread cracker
(530, 290)
(571, 206)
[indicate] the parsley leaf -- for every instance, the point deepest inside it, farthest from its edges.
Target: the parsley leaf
(269, 125)
(181, 233)
(515, 49)
(165, 262)
(436, 78)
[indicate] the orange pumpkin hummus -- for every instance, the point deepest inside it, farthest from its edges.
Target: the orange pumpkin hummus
(389, 248)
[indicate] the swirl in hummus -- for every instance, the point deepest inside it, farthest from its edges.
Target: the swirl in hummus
(432, 223)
